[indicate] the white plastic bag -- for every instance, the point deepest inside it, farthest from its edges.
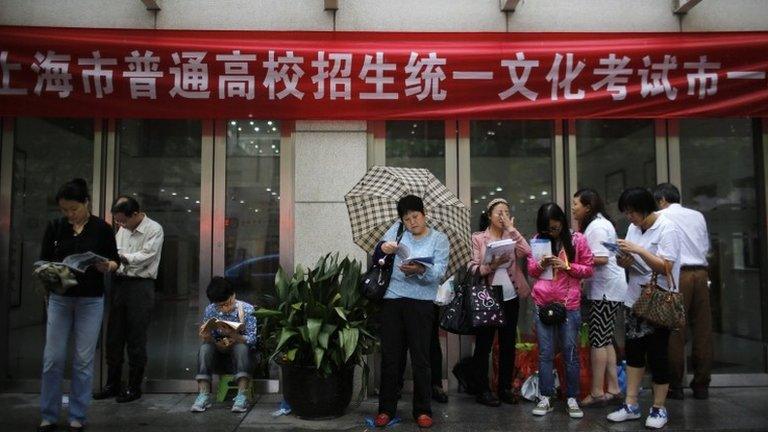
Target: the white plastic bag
(445, 293)
(530, 388)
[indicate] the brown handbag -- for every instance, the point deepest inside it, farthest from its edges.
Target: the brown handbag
(661, 307)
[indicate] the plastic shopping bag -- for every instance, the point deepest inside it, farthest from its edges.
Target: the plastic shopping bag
(445, 293)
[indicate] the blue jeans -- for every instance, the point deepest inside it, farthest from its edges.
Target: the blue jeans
(81, 316)
(569, 335)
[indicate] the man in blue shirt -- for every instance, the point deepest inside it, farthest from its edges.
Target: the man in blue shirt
(222, 342)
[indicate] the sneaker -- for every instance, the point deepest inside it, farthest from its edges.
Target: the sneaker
(543, 407)
(626, 412)
(657, 418)
(574, 411)
(202, 402)
(240, 404)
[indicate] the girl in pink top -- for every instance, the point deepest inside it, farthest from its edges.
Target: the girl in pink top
(571, 262)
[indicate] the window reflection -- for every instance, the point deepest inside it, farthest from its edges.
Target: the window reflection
(417, 144)
(718, 179)
(252, 225)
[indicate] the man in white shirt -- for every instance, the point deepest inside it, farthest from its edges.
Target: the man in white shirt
(694, 285)
(139, 243)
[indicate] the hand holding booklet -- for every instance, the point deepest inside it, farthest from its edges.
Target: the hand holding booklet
(78, 262)
(638, 264)
(541, 248)
(217, 324)
(405, 255)
(500, 248)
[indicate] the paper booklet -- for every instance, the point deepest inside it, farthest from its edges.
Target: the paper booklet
(77, 262)
(638, 265)
(539, 249)
(405, 255)
(499, 248)
(215, 324)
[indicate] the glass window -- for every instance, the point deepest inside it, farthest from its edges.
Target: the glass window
(46, 154)
(511, 160)
(160, 165)
(718, 179)
(252, 225)
(417, 144)
(613, 155)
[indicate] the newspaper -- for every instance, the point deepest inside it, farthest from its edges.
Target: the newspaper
(77, 262)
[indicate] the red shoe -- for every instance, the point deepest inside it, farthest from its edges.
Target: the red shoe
(382, 420)
(424, 421)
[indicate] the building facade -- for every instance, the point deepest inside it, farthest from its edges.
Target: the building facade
(242, 196)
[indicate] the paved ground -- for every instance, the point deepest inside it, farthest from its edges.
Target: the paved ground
(728, 409)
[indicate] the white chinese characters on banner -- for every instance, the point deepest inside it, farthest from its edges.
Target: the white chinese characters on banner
(143, 74)
(102, 78)
(236, 81)
(519, 80)
(52, 73)
(191, 79)
(285, 70)
(5, 68)
(571, 72)
(340, 75)
(424, 77)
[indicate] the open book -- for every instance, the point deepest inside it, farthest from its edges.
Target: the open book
(216, 324)
(405, 255)
(639, 265)
(499, 248)
(77, 262)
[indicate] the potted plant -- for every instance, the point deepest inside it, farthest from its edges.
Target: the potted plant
(318, 329)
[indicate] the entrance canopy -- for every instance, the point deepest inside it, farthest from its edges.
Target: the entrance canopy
(77, 72)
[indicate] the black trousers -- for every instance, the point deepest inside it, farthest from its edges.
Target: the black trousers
(435, 353)
(129, 315)
(651, 350)
(507, 339)
(406, 323)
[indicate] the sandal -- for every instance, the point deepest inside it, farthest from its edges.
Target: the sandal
(611, 398)
(593, 401)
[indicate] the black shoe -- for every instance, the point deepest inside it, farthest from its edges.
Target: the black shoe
(465, 385)
(108, 392)
(508, 397)
(700, 391)
(128, 395)
(675, 393)
(487, 399)
(48, 428)
(439, 395)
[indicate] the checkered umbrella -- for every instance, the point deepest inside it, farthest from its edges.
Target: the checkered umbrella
(372, 206)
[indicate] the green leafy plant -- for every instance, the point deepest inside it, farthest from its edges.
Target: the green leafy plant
(318, 317)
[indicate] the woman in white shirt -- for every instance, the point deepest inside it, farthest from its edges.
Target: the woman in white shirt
(605, 291)
(651, 246)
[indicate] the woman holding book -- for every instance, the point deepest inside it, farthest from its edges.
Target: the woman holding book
(559, 261)
(605, 291)
(77, 312)
(407, 314)
(652, 245)
(495, 250)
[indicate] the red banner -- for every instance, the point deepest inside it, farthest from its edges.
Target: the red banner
(75, 72)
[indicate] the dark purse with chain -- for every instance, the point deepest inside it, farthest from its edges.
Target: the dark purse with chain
(553, 313)
(374, 283)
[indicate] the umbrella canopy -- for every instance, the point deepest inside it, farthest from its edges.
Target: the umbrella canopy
(372, 206)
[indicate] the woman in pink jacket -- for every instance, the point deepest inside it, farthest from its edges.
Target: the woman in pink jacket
(558, 280)
(502, 271)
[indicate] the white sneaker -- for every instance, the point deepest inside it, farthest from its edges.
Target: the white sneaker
(657, 418)
(573, 409)
(202, 402)
(543, 407)
(240, 404)
(626, 412)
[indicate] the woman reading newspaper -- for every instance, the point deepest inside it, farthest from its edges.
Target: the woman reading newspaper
(78, 311)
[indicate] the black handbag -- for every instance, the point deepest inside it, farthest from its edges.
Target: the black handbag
(553, 313)
(455, 317)
(374, 283)
(484, 304)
